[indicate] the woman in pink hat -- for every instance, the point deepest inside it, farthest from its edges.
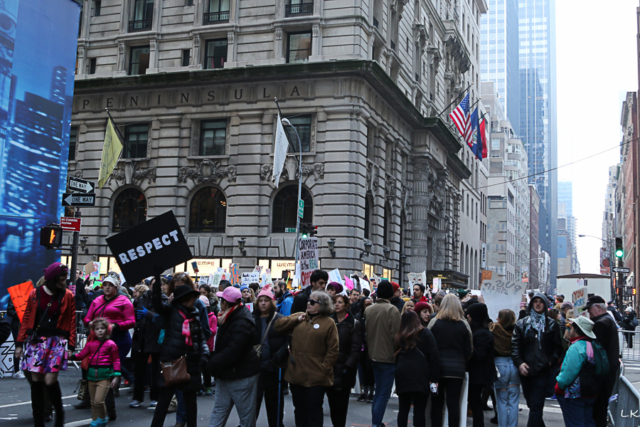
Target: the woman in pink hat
(274, 350)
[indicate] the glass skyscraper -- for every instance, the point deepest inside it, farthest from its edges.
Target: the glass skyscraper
(499, 50)
(538, 113)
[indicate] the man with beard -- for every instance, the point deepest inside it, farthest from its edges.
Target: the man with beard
(397, 297)
(284, 298)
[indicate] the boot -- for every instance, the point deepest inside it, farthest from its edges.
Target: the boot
(37, 403)
(55, 394)
(370, 396)
(110, 402)
(363, 395)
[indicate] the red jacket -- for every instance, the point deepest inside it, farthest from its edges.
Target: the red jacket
(66, 321)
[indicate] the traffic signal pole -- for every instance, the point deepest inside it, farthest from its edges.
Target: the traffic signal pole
(74, 250)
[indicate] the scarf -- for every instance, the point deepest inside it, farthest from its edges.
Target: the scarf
(538, 321)
(501, 339)
(186, 328)
(222, 317)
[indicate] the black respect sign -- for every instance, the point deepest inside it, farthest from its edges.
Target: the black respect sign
(158, 242)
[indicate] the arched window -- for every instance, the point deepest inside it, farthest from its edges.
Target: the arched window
(285, 209)
(129, 210)
(208, 211)
(386, 219)
(367, 216)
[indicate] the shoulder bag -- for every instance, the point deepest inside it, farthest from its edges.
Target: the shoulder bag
(258, 347)
(175, 372)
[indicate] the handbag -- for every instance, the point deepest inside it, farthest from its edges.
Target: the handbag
(258, 347)
(175, 372)
(83, 389)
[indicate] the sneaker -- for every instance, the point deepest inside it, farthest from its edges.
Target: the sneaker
(135, 404)
(173, 406)
(208, 392)
(362, 397)
(370, 397)
(153, 404)
(18, 375)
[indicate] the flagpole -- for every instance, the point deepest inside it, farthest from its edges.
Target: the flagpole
(455, 100)
(299, 190)
(126, 143)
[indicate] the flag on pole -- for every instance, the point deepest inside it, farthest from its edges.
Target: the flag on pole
(111, 151)
(483, 138)
(279, 152)
(471, 133)
(460, 116)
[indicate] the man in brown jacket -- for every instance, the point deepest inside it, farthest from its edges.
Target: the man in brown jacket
(383, 322)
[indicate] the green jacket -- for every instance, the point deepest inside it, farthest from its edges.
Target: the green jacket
(383, 322)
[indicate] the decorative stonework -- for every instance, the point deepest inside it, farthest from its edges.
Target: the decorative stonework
(76, 174)
(207, 171)
(308, 169)
(128, 173)
(390, 188)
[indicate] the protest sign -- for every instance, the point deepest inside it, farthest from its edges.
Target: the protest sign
(234, 274)
(348, 283)
(19, 296)
(500, 294)
(155, 244)
(249, 278)
(334, 276)
(265, 277)
(308, 259)
(437, 285)
(579, 299)
(420, 278)
(94, 269)
(214, 279)
(257, 269)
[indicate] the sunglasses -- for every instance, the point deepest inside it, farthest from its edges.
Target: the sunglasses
(312, 302)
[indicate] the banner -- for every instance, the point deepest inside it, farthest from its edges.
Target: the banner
(308, 259)
(499, 295)
(111, 150)
(155, 244)
(19, 296)
(279, 152)
(234, 274)
(579, 299)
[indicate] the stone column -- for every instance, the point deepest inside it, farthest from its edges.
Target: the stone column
(422, 193)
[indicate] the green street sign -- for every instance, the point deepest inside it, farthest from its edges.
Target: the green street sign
(301, 208)
(289, 230)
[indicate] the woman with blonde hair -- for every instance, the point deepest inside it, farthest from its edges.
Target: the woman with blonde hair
(408, 306)
(454, 339)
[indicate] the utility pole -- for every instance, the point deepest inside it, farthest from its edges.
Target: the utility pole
(74, 250)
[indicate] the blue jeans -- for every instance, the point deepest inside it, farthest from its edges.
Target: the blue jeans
(577, 412)
(123, 342)
(181, 409)
(384, 374)
(507, 392)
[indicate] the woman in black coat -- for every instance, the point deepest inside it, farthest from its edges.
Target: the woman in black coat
(346, 367)
(179, 342)
(273, 354)
(365, 370)
(481, 366)
(418, 365)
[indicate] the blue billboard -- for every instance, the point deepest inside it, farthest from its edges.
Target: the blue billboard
(38, 41)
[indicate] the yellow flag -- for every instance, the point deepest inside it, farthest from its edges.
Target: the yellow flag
(110, 154)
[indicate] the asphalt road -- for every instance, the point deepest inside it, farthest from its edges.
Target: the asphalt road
(15, 408)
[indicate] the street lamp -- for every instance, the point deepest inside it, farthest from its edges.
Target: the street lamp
(83, 242)
(367, 249)
(241, 243)
(331, 244)
(387, 252)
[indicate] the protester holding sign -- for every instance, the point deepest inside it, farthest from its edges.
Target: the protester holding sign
(47, 337)
(184, 344)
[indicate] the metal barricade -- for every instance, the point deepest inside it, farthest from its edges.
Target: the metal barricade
(624, 405)
(629, 345)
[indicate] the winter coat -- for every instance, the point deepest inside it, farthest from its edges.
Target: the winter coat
(539, 353)
(174, 345)
(607, 335)
(5, 331)
(284, 304)
(481, 365)
(383, 322)
(501, 339)
(278, 343)
(66, 326)
(299, 304)
(398, 303)
(577, 375)
(100, 355)
(234, 357)
(349, 352)
(82, 300)
(118, 311)
(628, 321)
(147, 333)
(314, 350)
(213, 326)
(417, 367)
(455, 346)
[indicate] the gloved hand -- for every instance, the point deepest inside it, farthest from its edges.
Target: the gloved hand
(204, 360)
(141, 313)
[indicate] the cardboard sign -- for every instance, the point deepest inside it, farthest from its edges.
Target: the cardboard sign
(234, 274)
(154, 244)
(94, 269)
(249, 278)
(486, 275)
(308, 259)
(19, 296)
(499, 295)
(579, 299)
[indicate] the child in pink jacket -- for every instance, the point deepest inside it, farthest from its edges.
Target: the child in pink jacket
(104, 368)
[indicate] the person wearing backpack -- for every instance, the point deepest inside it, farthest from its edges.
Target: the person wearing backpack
(629, 323)
(583, 370)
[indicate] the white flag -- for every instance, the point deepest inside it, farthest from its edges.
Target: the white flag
(280, 152)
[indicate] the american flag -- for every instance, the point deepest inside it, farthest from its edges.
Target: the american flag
(460, 117)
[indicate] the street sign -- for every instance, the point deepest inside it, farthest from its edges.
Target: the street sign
(300, 208)
(70, 224)
(289, 230)
(621, 269)
(81, 186)
(70, 199)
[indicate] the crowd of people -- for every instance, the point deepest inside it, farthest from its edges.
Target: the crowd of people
(251, 345)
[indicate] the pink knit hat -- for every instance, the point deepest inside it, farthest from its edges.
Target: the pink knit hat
(266, 293)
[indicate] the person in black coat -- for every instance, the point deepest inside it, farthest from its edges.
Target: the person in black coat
(417, 366)
(180, 342)
(365, 370)
(346, 367)
(234, 363)
(481, 366)
(273, 354)
(318, 280)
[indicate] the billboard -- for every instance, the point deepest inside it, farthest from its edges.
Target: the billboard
(38, 41)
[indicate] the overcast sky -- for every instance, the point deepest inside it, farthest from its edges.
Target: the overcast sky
(596, 66)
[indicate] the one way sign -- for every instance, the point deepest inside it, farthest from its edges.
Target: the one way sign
(81, 186)
(70, 199)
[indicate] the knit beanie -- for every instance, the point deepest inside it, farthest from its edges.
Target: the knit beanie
(385, 290)
(55, 270)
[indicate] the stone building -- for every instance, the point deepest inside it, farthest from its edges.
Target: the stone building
(191, 85)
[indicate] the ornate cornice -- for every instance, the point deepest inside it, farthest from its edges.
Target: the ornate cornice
(130, 173)
(208, 171)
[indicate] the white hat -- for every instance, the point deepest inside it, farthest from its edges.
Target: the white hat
(585, 325)
(629, 309)
(113, 279)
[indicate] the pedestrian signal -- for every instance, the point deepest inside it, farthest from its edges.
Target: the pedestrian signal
(51, 236)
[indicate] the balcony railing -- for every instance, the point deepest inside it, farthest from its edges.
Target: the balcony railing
(298, 9)
(375, 22)
(393, 45)
(215, 17)
(140, 25)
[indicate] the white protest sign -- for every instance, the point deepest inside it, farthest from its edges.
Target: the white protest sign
(499, 295)
(248, 278)
(420, 278)
(265, 277)
(334, 276)
(437, 285)
(257, 269)
(214, 279)
(308, 259)
(579, 299)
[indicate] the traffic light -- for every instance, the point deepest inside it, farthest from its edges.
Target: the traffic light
(313, 230)
(304, 230)
(51, 236)
(633, 291)
(619, 250)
